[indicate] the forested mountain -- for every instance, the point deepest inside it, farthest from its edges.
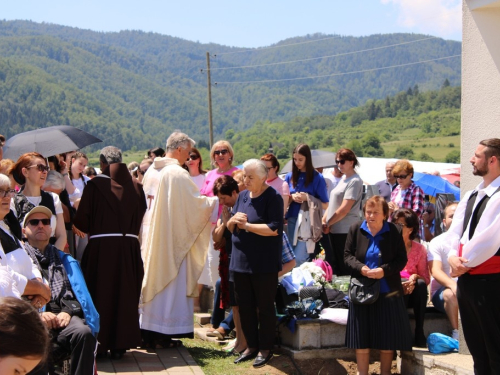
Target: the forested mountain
(133, 88)
(364, 129)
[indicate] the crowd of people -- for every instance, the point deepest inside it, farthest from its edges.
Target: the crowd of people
(117, 259)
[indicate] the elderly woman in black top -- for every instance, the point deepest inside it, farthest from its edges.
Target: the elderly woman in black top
(257, 227)
(383, 325)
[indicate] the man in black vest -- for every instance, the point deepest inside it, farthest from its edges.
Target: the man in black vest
(475, 258)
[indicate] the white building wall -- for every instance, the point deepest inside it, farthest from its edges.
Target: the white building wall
(480, 80)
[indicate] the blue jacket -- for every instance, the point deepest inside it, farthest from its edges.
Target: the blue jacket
(82, 294)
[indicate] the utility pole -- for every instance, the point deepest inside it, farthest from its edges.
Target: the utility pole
(209, 84)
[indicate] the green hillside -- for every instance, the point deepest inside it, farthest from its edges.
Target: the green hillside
(412, 124)
(133, 88)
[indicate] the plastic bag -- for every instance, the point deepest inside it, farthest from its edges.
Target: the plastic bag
(439, 343)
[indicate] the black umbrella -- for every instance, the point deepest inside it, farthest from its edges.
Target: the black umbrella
(320, 159)
(48, 141)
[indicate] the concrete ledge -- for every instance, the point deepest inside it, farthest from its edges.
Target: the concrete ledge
(421, 361)
(332, 353)
(321, 334)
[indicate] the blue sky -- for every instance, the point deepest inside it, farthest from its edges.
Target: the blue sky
(254, 23)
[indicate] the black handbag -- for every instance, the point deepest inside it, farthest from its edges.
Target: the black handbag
(363, 290)
(314, 292)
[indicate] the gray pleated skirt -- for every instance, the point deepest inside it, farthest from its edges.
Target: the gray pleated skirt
(383, 325)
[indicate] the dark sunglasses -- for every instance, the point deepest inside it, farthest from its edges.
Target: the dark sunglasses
(401, 176)
(221, 152)
(142, 172)
(7, 193)
(429, 212)
(34, 222)
(341, 162)
(195, 157)
(40, 167)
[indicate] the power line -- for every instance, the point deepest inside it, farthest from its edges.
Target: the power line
(324, 57)
(338, 74)
(313, 41)
(278, 46)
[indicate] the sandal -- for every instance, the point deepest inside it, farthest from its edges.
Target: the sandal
(230, 346)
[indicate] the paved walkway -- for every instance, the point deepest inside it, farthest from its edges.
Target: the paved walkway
(173, 361)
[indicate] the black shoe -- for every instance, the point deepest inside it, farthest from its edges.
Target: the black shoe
(262, 361)
(246, 357)
(420, 341)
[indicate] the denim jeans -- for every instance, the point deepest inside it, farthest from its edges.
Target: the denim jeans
(300, 250)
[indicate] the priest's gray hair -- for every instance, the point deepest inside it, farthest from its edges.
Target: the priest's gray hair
(178, 139)
(55, 180)
(4, 181)
(258, 165)
(110, 155)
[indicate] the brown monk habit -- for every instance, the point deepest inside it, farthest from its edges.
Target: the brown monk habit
(113, 203)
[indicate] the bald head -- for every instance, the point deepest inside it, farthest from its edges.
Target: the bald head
(389, 166)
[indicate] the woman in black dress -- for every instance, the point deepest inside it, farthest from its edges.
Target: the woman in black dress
(257, 228)
(383, 325)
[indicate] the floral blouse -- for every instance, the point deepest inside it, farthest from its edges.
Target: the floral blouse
(417, 262)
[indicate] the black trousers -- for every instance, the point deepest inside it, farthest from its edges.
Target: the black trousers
(77, 339)
(418, 300)
(338, 244)
(255, 294)
(479, 305)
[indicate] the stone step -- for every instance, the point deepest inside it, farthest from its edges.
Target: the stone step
(202, 318)
(320, 334)
(421, 361)
(201, 333)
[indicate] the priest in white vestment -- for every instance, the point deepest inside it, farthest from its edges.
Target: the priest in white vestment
(175, 250)
(150, 184)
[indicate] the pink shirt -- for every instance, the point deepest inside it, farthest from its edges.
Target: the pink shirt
(211, 176)
(417, 262)
(279, 185)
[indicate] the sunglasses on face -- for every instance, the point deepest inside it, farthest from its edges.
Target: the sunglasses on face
(40, 167)
(7, 193)
(34, 222)
(141, 171)
(196, 157)
(341, 162)
(221, 152)
(401, 176)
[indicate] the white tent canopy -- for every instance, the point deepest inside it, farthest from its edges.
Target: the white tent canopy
(372, 170)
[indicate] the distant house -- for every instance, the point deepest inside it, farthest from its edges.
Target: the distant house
(480, 80)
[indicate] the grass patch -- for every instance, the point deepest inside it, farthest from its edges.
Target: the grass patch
(213, 361)
(437, 147)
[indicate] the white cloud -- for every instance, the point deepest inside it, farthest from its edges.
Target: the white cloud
(436, 17)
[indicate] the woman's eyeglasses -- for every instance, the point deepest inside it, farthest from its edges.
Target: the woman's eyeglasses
(195, 157)
(7, 193)
(221, 152)
(142, 172)
(401, 176)
(34, 222)
(40, 167)
(341, 162)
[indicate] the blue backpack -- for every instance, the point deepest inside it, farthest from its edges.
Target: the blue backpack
(439, 343)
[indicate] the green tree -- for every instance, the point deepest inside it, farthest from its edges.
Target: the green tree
(356, 147)
(453, 157)
(424, 156)
(404, 152)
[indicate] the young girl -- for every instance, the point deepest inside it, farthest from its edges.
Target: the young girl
(75, 179)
